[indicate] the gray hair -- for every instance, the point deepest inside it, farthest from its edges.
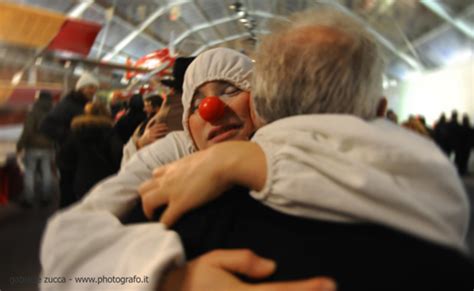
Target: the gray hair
(301, 71)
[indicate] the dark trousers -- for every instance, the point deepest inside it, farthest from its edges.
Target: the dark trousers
(66, 193)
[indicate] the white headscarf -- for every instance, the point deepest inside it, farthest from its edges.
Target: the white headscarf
(219, 64)
(87, 79)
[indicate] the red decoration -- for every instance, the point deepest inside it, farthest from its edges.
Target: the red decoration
(4, 186)
(211, 108)
(75, 36)
(129, 74)
(160, 59)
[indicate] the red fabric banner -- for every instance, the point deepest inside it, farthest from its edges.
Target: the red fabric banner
(23, 96)
(76, 36)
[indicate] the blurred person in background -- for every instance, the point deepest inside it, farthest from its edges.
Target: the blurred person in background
(91, 153)
(415, 125)
(118, 105)
(428, 129)
(453, 128)
(463, 149)
(169, 114)
(38, 153)
(392, 116)
(179, 69)
(151, 129)
(173, 100)
(148, 132)
(132, 118)
(57, 124)
(441, 133)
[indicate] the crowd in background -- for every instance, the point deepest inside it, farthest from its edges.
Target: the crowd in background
(455, 138)
(80, 141)
(91, 146)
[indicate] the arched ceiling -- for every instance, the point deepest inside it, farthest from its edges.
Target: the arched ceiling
(422, 34)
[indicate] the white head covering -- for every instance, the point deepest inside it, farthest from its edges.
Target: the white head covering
(219, 64)
(86, 79)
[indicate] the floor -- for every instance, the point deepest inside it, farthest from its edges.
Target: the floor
(20, 235)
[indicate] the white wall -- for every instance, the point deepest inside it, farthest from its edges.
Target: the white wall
(431, 93)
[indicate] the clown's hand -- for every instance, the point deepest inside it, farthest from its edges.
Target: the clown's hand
(216, 270)
(153, 131)
(183, 185)
(201, 177)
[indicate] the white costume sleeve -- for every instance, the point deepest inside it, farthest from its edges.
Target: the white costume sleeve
(88, 239)
(129, 149)
(341, 168)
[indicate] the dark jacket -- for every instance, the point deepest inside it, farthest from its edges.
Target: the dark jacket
(57, 123)
(135, 115)
(31, 137)
(359, 256)
(91, 153)
(441, 136)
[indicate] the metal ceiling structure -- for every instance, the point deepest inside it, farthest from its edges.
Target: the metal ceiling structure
(415, 34)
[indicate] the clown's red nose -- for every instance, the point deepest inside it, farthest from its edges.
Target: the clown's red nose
(211, 108)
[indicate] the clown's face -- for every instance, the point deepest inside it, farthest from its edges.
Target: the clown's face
(234, 124)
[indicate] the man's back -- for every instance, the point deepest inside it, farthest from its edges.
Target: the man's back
(358, 256)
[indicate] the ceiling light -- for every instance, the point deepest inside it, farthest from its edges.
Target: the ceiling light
(124, 81)
(17, 78)
(411, 75)
(77, 11)
(459, 57)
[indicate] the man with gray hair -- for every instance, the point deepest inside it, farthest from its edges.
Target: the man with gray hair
(326, 63)
(378, 195)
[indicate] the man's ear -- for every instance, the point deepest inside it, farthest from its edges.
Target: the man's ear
(382, 107)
